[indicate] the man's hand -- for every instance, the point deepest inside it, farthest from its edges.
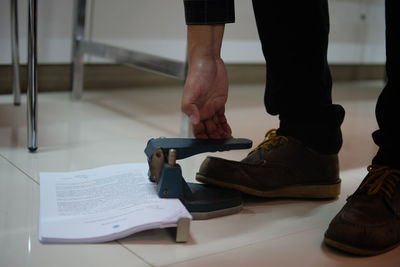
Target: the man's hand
(206, 87)
(204, 98)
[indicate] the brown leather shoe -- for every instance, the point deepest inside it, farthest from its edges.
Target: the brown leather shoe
(279, 167)
(369, 223)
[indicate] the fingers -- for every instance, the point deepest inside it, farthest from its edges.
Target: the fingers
(225, 129)
(192, 111)
(216, 128)
(199, 131)
(202, 129)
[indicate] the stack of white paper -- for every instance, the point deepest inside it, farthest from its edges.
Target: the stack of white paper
(102, 204)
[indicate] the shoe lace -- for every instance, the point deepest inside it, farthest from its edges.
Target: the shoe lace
(381, 179)
(272, 139)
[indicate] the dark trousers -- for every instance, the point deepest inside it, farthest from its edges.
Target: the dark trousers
(388, 107)
(294, 38)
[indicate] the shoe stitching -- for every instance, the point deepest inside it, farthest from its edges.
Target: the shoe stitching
(344, 219)
(261, 163)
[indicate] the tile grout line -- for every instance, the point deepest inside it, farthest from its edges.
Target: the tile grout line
(243, 246)
(124, 115)
(18, 168)
(319, 225)
(31, 178)
(132, 252)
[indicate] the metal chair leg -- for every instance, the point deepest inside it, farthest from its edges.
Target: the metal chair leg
(32, 76)
(15, 52)
(77, 54)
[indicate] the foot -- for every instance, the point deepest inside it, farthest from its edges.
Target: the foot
(369, 223)
(280, 166)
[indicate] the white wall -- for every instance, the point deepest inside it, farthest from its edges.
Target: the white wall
(157, 27)
(357, 31)
(54, 30)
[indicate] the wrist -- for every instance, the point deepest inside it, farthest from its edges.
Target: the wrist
(204, 42)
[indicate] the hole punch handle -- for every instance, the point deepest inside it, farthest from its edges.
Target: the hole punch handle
(186, 147)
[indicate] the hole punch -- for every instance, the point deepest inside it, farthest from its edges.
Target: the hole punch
(202, 201)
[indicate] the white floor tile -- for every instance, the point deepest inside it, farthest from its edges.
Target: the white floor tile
(260, 220)
(299, 249)
(113, 127)
(19, 245)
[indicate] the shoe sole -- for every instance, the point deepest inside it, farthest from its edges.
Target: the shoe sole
(354, 250)
(295, 191)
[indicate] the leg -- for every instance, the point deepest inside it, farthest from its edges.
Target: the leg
(300, 159)
(32, 75)
(294, 40)
(369, 222)
(15, 52)
(77, 55)
(387, 108)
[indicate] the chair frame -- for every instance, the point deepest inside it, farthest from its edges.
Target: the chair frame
(32, 88)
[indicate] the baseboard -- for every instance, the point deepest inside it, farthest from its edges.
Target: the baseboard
(56, 77)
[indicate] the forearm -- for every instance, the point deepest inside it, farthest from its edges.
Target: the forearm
(206, 86)
(206, 21)
(204, 43)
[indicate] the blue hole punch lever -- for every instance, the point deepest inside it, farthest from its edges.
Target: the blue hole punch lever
(202, 201)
